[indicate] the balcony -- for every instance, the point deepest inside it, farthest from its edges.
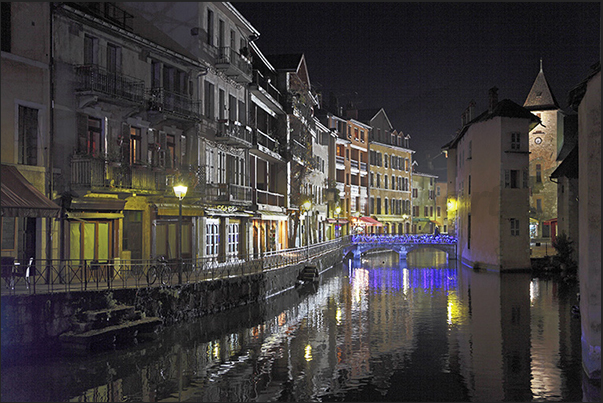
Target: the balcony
(108, 12)
(234, 65)
(266, 145)
(268, 198)
(354, 167)
(96, 173)
(354, 190)
(234, 133)
(262, 88)
(229, 193)
(339, 162)
(108, 86)
(176, 105)
(363, 168)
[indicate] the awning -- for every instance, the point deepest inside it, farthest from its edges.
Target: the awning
(337, 221)
(370, 221)
(20, 198)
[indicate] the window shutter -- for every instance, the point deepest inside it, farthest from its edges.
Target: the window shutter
(507, 178)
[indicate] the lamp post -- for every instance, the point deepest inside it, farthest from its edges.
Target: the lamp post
(180, 192)
(307, 206)
(337, 211)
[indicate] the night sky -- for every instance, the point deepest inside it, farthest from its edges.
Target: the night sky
(424, 62)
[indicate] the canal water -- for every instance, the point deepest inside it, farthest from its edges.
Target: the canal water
(375, 329)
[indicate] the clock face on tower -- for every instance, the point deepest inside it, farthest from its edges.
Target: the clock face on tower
(538, 140)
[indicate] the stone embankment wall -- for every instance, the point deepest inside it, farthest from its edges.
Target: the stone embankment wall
(32, 321)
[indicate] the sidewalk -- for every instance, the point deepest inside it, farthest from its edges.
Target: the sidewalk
(544, 249)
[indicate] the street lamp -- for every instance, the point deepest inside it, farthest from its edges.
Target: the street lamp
(337, 211)
(307, 206)
(180, 192)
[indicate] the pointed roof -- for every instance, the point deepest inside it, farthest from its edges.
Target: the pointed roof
(540, 97)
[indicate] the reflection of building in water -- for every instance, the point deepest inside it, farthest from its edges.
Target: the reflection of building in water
(515, 315)
(551, 331)
(480, 344)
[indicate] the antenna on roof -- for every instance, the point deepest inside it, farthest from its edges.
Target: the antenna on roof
(541, 64)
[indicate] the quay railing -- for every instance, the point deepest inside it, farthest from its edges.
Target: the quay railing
(42, 276)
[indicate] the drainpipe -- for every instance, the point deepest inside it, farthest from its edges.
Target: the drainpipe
(50, 182)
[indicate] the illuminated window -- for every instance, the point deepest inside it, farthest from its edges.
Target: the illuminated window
(135, 145)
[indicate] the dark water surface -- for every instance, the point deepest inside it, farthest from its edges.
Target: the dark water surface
(374, 330)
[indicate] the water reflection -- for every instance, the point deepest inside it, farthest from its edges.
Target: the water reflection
(376, 328)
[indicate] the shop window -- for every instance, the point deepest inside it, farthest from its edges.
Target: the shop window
(9, 226)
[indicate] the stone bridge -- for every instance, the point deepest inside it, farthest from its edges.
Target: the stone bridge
(401, 244)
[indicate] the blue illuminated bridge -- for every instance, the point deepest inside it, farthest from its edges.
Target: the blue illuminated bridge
(401, 244)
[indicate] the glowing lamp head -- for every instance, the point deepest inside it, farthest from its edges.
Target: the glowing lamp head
(180, 191)
(337, 210)
(307, 205)
(451, 205)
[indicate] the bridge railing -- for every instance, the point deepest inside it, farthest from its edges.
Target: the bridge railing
(405, 239)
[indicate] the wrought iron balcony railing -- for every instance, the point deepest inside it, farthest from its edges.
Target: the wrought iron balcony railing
(182, 105)
(233, 64)
(265, 83)
(96, 79)
(234, 133)
(91, 172)
(228, 192)
(269, 198)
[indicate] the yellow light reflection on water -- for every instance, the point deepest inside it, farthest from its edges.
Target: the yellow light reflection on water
(338, 316)
(455, 308)
(360, 283)
(216, 350)
(308, 353)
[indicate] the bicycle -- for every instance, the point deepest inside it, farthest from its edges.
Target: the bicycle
(160, 270)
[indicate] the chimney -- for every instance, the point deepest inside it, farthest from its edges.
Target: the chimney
(493, 95)
(471, 111)
(464, 118)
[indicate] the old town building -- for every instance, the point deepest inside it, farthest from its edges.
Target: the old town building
(544, 145)
(441, 210)
(390, 160)
(423, 202)
(29, 216)
(488, 164)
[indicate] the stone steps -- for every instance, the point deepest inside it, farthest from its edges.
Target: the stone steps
(107, 328)
(309, 274)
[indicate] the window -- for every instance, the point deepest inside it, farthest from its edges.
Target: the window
(113, 58)
(212, 238)
(515, 141)
(210, 27)
(539, 205)
(232, 108)
(171, 151)
(415, 211)
(468, 186)
(90, 50)
(514, 226)
(90, 138)
(28, 136)
(512, 178)
(415, 193)
(538, 173)
(438, 188)
(439, 211)
(385, 181)
(221, 104)
(6, 27)
(209, 100)
(469, 152)
(430, 211)
(426, 211)
(378, 205)
(362, 135)
(385, 160)
(135, 145)
(233, 239)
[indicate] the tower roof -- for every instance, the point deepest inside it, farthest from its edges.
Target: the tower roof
(540, 97)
